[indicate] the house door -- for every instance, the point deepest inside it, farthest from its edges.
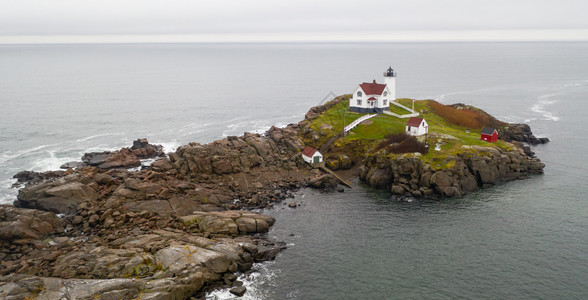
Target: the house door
(316, 159)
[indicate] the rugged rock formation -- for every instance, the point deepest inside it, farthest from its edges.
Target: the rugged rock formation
(124, 255)
(317, 110)
(478, 167)
(25, 177)
(339, 162)
(123, 158)
(176, 229)
(59, 196)
(159, 233)
(519, 133)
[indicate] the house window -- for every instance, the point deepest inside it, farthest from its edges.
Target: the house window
(359, 94)
(385, 94)
(358, 102)
(385, 102)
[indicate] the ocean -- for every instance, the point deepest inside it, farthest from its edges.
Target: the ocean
(519, 240)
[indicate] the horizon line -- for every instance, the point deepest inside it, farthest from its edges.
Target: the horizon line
(550, 35)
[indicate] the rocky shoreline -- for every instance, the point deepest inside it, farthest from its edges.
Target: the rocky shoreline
(183, 225)
(170, 231)
(409, 176)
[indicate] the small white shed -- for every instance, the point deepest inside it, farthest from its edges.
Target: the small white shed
(417, 126)
(312, 156)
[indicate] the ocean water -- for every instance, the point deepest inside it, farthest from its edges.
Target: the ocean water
(521, 240)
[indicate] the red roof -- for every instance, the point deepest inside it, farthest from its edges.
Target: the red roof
(414, 122)
(309, 151)
(372, 88)
(372, 99)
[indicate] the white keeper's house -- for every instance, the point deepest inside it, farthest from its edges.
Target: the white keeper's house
(373, 97)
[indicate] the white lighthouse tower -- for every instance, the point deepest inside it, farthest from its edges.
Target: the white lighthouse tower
(390, 81)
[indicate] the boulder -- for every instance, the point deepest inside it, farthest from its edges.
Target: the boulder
(440, 180)
(73, 165)
(378, 178)
(181, 257)
(20, 223)
(61, 196)
(325, 181)
(143, 150)
(238, 291)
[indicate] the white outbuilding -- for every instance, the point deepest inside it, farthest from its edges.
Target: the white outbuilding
(373, 97)
(417, 126)
(312, 156)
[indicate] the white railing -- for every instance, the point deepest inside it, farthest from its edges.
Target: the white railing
(356, 122)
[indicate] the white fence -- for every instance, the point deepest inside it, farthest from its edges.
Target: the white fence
(401, 116)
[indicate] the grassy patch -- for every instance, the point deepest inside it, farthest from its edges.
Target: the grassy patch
(381, 126)
(399, 110)
(450, 127)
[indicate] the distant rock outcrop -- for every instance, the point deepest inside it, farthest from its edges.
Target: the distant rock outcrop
(125, 157)
(456, 175)
(520, 133)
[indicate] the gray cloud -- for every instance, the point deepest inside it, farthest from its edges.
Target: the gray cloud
(63, 17)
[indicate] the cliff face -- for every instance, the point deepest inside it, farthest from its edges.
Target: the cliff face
(475, 168)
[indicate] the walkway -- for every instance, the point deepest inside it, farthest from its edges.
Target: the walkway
(345, 182)
(356, 122)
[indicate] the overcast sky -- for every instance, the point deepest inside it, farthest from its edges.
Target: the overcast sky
(297, 19)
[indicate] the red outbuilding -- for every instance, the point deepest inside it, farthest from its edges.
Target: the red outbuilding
(489, 135)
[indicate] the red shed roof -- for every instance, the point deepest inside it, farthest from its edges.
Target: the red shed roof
(372, 88)
(309, 151)
(414, 122)
(372, 99)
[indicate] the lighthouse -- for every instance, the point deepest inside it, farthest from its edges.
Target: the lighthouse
(373, 97)
(390, 81)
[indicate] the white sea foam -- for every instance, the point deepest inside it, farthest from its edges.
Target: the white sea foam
(7, 193)
(256, 283)
(9, 155)
(50, 161)
(97, 136)
(540, 107)
(169, 146)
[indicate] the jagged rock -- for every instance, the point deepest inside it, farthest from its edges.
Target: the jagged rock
(326, 181)
(238, 291)
(466, 172)
(31, 177)
(229, 222)
(377, 177)
(178, 258)
(73, 165)
(339, 161)
(125, 157)
(142, 149)
(60, 196)
(20, 223)
(162, 164)
(520, 133)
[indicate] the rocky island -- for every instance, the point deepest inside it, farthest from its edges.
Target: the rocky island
(183, 224)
